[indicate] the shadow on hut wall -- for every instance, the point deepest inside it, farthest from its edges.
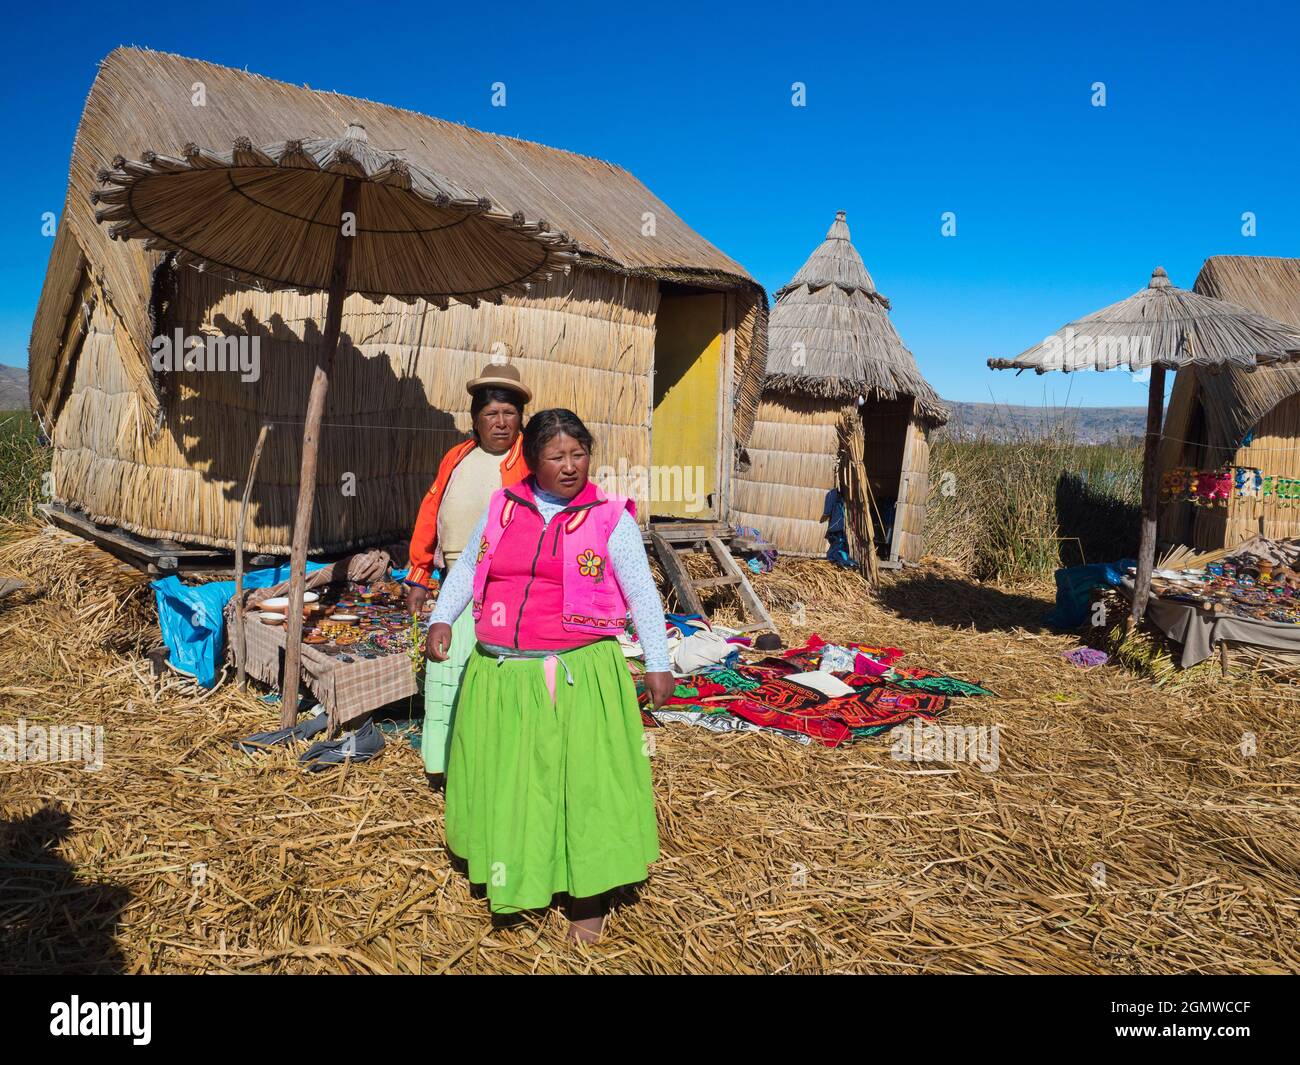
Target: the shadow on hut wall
(380, 443)
(962, 604)
(1096, 524)
(51, 921)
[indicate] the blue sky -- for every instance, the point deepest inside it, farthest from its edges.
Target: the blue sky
(912, 111)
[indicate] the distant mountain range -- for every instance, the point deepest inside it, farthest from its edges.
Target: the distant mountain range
(13, 388)
(996, 421)
(1088, 425)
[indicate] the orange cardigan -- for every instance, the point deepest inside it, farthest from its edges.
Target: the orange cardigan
(424, 539)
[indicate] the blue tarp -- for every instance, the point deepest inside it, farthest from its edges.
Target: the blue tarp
(192, 620)
(1074, 586)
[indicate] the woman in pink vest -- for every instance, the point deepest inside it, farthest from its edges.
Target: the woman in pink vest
(548, 778)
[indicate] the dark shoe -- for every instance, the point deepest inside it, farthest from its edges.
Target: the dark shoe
(358, 746)
(304, 730)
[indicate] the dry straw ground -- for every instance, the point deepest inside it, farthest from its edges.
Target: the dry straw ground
(1124, 831)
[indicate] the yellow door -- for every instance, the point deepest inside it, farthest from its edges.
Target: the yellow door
(686, 424)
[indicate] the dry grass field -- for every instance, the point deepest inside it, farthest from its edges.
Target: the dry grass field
(1123, 831)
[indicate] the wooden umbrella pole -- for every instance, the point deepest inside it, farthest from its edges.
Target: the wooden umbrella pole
(241, 673)
(1150, 494)
(320, 384)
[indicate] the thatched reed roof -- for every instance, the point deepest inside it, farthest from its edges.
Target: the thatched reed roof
(143, 100)
(1161, 325)
(830, 336)
(269, 216)
(1235, 400)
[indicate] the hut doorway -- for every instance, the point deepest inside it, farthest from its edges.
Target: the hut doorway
(687, 404)
(895, 460)
(884, 435)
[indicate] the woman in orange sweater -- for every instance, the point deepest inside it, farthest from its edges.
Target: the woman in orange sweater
(467, 476)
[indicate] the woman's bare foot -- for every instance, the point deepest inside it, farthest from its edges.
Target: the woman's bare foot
(586, 918)
(587, 930)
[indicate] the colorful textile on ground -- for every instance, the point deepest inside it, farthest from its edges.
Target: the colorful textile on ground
(926, 680)
(760, 695)
(804, 658)
(783, 695)
(700, 689)
(726, 723)
(1084, 657)
(867, 733)
(868, 666)
(863, 680)
(825, 731)
(890, 702)
(886, 655)
(767, 669)
(837, 659)
(730, 680)
(686, 624)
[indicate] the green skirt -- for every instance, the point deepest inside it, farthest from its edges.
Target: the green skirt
(441, 684)
(546, 797)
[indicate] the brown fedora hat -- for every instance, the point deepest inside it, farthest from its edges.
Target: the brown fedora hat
(500, 375)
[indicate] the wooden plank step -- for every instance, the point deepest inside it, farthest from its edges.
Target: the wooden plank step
(753, 605)
(688, 599)
(687, 531)
(688, 589)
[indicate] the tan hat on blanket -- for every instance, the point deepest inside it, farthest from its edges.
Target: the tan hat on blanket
(500, 375)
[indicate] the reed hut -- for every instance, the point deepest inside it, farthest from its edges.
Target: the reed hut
(1241, 419)
(843, 405)
(655, 337)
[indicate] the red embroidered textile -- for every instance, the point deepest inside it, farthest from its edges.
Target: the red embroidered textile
(883, 706)
(823, 730)
(777, 694)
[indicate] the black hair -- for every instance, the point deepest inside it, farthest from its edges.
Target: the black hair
(546, 425)
(481, 397)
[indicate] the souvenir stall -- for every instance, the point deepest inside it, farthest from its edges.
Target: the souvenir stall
(1246, 596)
(362, 649)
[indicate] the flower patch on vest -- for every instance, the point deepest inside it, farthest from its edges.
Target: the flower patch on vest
(591, 565)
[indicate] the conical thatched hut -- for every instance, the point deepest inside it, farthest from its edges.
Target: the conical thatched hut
(1238, 419)
(656, 337)
(843, 405)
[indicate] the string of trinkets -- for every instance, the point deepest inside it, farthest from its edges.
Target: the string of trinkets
(1216, 487)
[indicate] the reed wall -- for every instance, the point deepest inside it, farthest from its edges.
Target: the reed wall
(397, 402)
(792, 453)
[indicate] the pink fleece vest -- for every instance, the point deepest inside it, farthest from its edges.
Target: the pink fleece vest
(539, 587)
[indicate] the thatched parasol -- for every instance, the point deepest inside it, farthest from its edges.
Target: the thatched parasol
(333, 214)
(1159, 328)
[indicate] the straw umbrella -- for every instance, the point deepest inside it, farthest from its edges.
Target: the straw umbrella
(329, 214)
(1159, 328)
